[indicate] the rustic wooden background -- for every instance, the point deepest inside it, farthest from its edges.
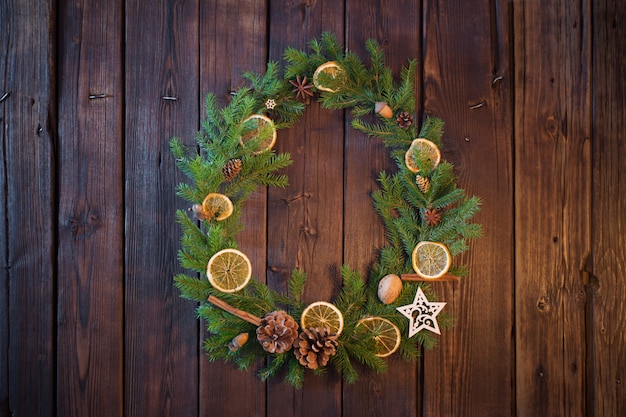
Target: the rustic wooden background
(533, 94)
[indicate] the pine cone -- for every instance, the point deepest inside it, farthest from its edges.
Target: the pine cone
(277, 332)
(432, 217)
(423, 183)
(314, 346)
(231, 169)
(404, 120)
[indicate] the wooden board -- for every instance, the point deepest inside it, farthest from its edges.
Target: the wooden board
(607, 276)
(397, 28)
(161, 101)
(233, 40)
(91, 210)
(306, 219)
(532, 94)
(553, 206)
(27, 169)
(467, 82)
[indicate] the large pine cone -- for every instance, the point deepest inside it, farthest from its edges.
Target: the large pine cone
(277, 332)
(315, 346)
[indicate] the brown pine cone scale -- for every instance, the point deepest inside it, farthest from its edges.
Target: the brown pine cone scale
(314, 347)
(277, 332)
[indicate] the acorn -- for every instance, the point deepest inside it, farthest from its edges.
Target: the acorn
(389, 288)
(383, 109)
(238, 341)
(198, 212)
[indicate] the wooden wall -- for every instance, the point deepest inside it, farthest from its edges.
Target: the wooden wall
(533, 94)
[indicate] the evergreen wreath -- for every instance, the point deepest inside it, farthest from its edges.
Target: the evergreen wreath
(418, 203)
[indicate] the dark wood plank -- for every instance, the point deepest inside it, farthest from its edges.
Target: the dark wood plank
(4, 221)
(161, 329)
(91, 210)
(607, 340)
(467, 81)
(27, 166)
(553, 204)
(396, 26)
(306, 218)
(233, 40)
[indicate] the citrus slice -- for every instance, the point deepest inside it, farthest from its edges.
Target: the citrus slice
(431, 259)
(386, 334)
(322, 314)
(332, 70)
(259, 130)
(423, 147)
(217, 206)
(229, 270)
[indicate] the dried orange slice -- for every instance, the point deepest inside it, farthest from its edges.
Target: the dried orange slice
(431, 259)
(332, 70)
(217, 206)
(322, 314)
(260, 131)
(385, 333)
(229, 270)
(423, 147)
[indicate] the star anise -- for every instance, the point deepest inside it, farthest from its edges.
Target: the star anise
(432, 217)
(302, 89)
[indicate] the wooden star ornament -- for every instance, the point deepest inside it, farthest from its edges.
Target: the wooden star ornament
(422, 314)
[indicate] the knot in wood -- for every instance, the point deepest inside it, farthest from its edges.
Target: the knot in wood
(551, 126)
(543, 306)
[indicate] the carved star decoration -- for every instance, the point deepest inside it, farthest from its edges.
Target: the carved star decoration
(302, 89)
(270, 104)
(422, 314)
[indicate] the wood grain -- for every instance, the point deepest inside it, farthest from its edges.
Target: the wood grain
(553, 206)
(27, 233)
(306, 218)
(532, 94)
(161, 101)
(233, 40)
(91, 210)
(607, 284)
(467, 81)
(396, 26)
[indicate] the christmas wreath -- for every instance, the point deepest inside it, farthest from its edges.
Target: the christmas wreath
(426, 217)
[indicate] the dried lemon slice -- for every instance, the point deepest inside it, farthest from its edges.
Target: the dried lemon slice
(260, 130)
(386, 334)
(229, 270)
(423, 147)
(322, 314)
(217, 206)
(431, 259)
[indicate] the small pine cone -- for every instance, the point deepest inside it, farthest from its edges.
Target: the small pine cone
(231, 169)
(314, 347)
(277, 332)
(423, 183)
(432, 217)
(404, 120)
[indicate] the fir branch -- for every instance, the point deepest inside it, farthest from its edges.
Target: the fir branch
(296, 284)
(295, 373)
(274, 364)
(191, 288)
(432, 129)
(341, 361)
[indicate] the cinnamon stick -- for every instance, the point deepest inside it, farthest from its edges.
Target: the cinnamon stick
(243, 315)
